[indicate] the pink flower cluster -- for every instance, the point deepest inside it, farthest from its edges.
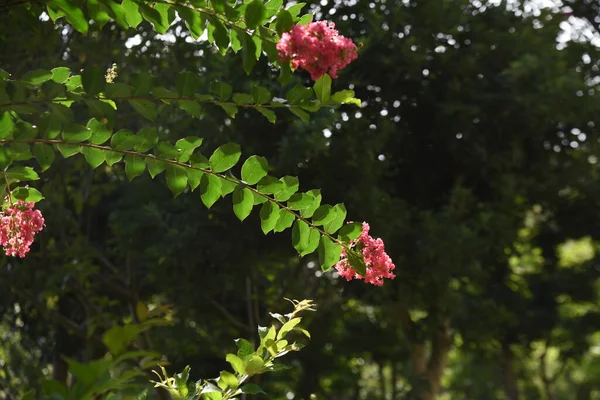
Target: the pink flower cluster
(18, 225)
(317, 48)
(379, 264)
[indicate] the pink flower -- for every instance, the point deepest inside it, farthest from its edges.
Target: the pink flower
(18, 225)
(379, 264)
(317, 48)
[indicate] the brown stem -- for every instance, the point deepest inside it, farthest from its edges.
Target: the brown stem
(184, 165)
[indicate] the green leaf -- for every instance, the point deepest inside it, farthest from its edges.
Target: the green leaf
(210, 189)
(187, 84)
(345, 97)
(269, 215)
(243, 98)
(117, 89)
(350, 231)
(134, 166)
(249, 57)
(60, 74)
(236, 363)
(222, 90)
(329, 253)
(119, 337)
(53, 90)
(187, 146)
(123, 140)
(284, 22)
(285, 220)
(25, 131)
(73, 14)
(68, 150)
(50, 126)
(287, 327)
(268, 114)
(191, 107)
(258, 199)
(261, 95)
(254, 365)
(145, 107)
(298, 94)
(245, 348)
(4, 158)
(228, 379)
(157, 16)
(176, 179)
(102, 110)
(132, 14)
(230, 109)
(7, 126)
(193, 176)
(301, 201)
(27, 194)
(295, 9)
(236, 45)
(19, 151)
(290, 186)
(304, 117)
(44, 155)
(93, 80)
(100, 132)
(21, 174)
(113, 157)
(272, 7)
(147, 138)
(227, 187)
(308, 211)
(305, 19)
(322, 88)
(251, 388)
(37, 77)
(117, 12)
(300, 233)
(62, 113)
(94, 157)
(255, 13)
(155, 167)
(323, 215)
(193, 21)
(254, 169)
(357, 262)
(76, 133)
(225, 157)
(312, 242)
(243, 201)
(162, 94)
(270, 185)
(217, 33)
(339, 217)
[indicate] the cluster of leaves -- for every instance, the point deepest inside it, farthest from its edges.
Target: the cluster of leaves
(246, 363)
(250, 26)
(37, 119)
(123, 369)
(59, 89)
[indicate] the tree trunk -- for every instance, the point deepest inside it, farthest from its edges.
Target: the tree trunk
(511, 389)
(426, 369)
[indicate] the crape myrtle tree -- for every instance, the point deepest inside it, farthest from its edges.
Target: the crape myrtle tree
(476, 114)
(52, 111)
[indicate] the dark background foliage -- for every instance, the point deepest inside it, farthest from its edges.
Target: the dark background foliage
(474, 156)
